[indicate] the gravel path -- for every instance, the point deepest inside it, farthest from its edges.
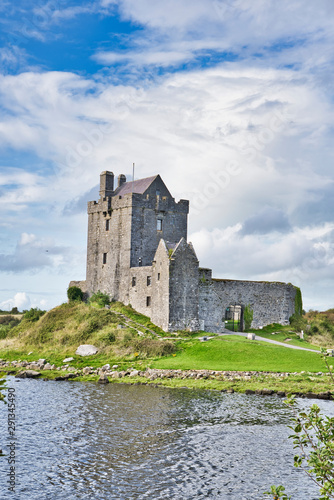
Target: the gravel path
(242, 334)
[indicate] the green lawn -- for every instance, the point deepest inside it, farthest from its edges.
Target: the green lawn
(240, 354)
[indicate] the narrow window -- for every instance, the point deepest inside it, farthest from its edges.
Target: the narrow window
(158, 276)
(158, 192)
(133, 281)
(148, 280)
(107, 224)
(159, 225)
(148, 301)
(104, 258)
(140, 261)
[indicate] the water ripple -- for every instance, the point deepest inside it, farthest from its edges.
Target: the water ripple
(85, 441)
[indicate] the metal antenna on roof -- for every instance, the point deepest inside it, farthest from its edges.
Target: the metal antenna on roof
(133, 175)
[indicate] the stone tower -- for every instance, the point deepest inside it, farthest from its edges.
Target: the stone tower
(124, 230)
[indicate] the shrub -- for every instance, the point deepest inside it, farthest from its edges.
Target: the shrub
(33, 314)
(248, 317)
(100, 299)
(75, 294)
(297, 322)
(109, 337)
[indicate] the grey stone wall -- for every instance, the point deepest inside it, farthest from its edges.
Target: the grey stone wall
(160, 291)
(183, 288)
(272, 302)
(146, 210)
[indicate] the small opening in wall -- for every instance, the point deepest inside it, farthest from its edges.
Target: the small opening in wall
(140, 261)
(148, 280)
(107, 224)
(157, 193)
(158, 276)
(104, 258)
(148, 301)
(134, 281)
(159, 224)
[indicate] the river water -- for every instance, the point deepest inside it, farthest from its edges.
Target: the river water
(89, 441)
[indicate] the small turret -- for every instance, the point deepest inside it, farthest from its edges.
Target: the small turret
(106, 184)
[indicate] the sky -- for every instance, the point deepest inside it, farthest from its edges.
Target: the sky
(230, 101)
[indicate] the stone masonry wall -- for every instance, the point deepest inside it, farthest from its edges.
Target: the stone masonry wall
(147, 209)
(272, 302)
(183, 288)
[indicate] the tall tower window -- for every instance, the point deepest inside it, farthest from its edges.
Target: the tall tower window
(107, 224)
(104, 260)
(148, 301)
(159, 224)
(148, 280)
(157, 192)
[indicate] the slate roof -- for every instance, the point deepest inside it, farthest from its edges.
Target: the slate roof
(138, 187)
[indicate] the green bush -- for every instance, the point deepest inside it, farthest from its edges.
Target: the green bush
(75, 294)
(109, 337)
(297, 322)
(33, 314)
(248, 317)
(100, 299)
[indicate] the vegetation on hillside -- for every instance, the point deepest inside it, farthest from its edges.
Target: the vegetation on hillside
(114, 331)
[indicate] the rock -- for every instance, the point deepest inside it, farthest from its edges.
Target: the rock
(87, 370)
(68, 360)
(134, 373)
(281, 394)
(86, 350)
(324, 395)
(267, 392)
(27, 374)
(105, 368)
(230, 391)
(63, 377)
(41, 362)
(53, 367)
(47, 366)
(251, 336)
(114, 366)
(249, 391)
(103, 379)
(311, 395)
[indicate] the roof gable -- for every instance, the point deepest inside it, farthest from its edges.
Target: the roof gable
(140, 186)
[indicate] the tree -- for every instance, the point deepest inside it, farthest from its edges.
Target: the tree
(314, 437)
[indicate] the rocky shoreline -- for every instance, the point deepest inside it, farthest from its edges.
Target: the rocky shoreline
(25, 369)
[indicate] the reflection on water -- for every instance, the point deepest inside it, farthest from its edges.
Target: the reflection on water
(87, 441)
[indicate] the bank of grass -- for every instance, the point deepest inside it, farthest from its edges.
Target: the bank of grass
(57, 334)
(232, 352)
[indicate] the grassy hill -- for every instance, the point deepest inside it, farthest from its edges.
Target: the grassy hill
(127, 338)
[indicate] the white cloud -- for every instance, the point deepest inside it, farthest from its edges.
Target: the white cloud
(21, 300)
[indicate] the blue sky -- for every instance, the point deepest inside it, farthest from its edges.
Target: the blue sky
(230, 101)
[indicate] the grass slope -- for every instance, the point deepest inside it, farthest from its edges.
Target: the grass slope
(240, 354)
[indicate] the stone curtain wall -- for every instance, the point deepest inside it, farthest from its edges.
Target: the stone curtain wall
(271, 302)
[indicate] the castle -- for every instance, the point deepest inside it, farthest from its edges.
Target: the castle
(138, 254)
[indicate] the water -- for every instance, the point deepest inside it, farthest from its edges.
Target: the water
(88, 441)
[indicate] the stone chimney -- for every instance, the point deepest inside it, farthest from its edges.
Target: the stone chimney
(106, 184)
(121, 180)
